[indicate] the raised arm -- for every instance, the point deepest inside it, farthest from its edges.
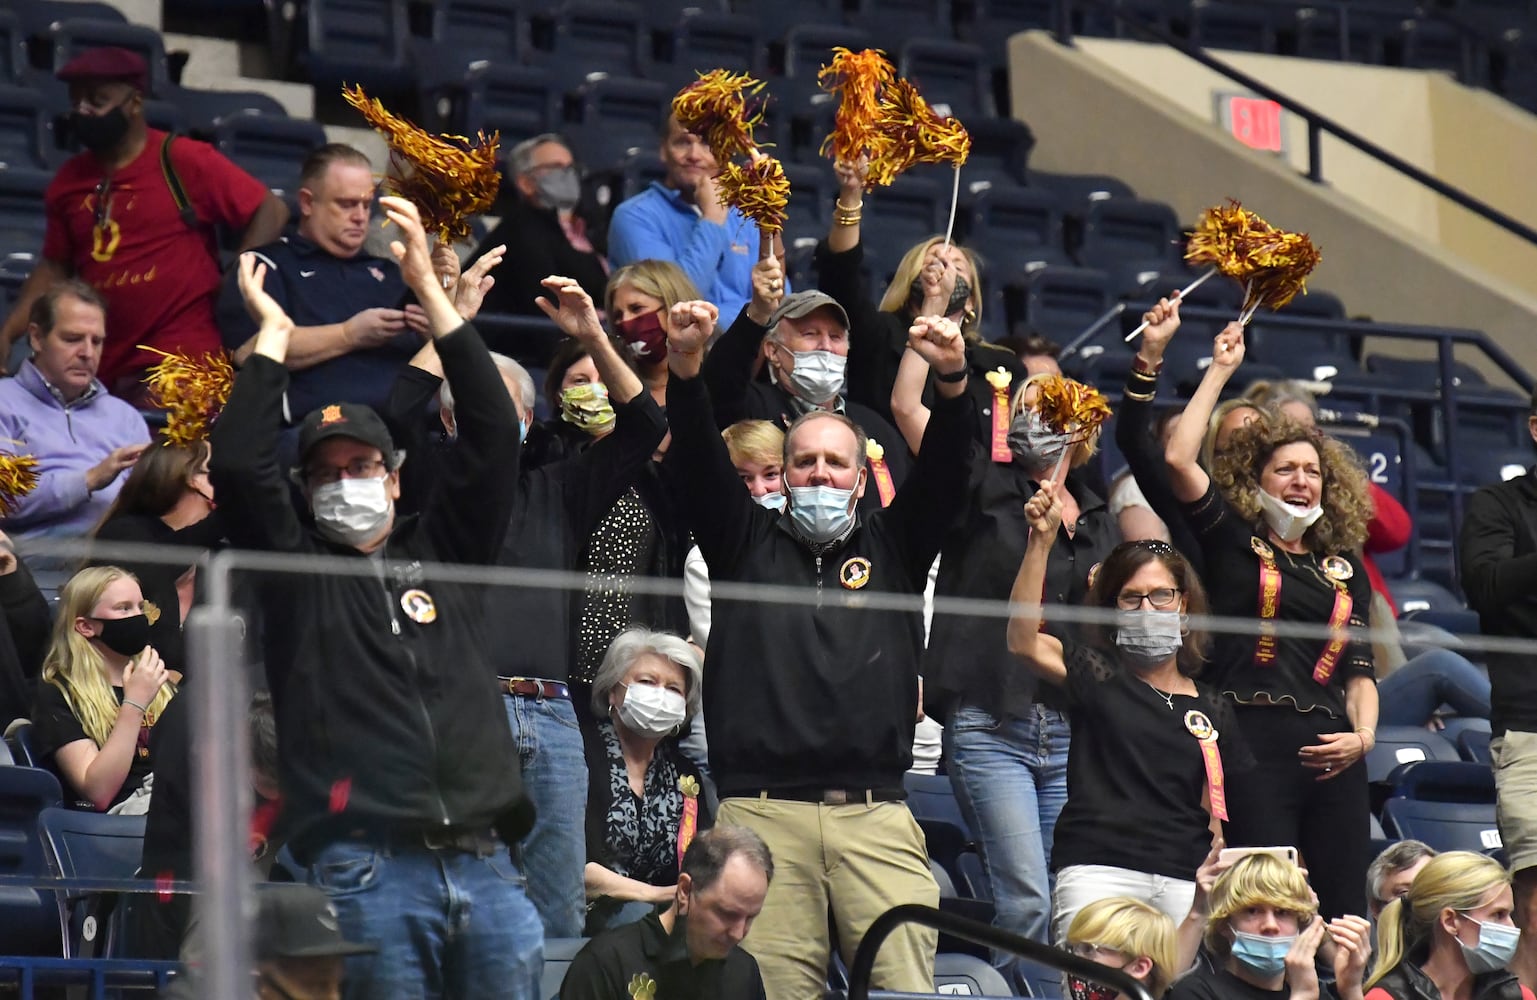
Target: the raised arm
(844, 234)
(907, 409)
(98, 773)
(247, 479)
(573, 311)
(1186, 477)
(1040, 652)
(727, 368)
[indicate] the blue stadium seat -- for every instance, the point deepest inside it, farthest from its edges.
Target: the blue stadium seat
(978, 884)
(558, 953)
(781, 16)
(1301, 352)
(29, 924)
(519, 101)
(1218, 25)
(909, 211)
(1316, 304)
(1117, 230)
(1015, 227)
(636, 172)
(1077, 190)
(585, 38)
(807, 49)
(271, 149)
(1473, 744)
(967, 975)
(1450, 806)
(932, 803)
(1430, 43)
(1398, 745)
(952, 76)
(994, 22)
(943, 880)
(14, 67)
(812, 190)
(664, 14)
(1442, 781)
(1000, 153)
(890, 20)
(70, 37)
(201, 108)
(491, 29)
(39, 16)
(703, 40)
(619, 115)
(89, 845)
(356, 41)
(1061, 302)
(22, 220)
(1325, 33)
(23, 750)
(26, 129)
(164, 115)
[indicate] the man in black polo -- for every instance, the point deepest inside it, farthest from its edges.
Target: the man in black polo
(353, 329)
(812, 703)
(689, 949)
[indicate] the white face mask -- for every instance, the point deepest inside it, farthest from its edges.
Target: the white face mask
(822, 513)
(773, 500)
(1289, 523)
(352, 511)
(817, 376)
(652, 710)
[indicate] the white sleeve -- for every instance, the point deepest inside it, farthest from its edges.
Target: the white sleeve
(1126, 493)
(696, 596)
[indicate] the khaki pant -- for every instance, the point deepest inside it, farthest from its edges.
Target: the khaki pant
(858, 861)
(1515, 782)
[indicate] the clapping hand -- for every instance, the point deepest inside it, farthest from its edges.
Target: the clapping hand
(1301, 969)
(572, 310)
(1352, 937)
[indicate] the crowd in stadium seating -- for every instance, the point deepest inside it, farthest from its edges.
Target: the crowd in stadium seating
(466, 771)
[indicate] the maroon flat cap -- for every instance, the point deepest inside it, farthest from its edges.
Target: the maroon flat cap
(117, 64)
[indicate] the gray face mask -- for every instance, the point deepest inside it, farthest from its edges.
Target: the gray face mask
(560, 188)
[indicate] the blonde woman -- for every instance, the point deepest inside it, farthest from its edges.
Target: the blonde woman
(102, 690)
(1450, 936)
(931, 279)
(1264, 934)
(638, 300)
(1127, 935)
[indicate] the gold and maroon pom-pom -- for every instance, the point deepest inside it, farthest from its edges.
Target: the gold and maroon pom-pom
(759, 190)
(1270, 263)
(18, 477)
(718, 107)
(857, 78)
(1070, 407)
(192, 390)
(449, 178)
(908, 132)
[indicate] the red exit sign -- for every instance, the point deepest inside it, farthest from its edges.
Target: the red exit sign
(1253, 121)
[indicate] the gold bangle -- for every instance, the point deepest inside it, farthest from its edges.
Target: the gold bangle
(840, 206)
(1141, 397)
(850, 220)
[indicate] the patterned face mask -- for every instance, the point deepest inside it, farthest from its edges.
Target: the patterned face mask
(587, 407)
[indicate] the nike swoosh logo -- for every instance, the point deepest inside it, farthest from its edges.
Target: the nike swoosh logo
(306, 274)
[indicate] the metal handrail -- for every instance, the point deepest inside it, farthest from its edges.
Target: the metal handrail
(1316, 121)
(978, 933)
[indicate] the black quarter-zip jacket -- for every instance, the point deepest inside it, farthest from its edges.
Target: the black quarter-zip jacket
(386, 721)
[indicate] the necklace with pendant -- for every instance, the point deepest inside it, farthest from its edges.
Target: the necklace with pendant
(1168, 699)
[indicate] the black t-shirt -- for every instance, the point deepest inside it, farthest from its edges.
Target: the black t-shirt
(1307, 593)
(608, 967)
(1219, 984)
(55, 726)
(1135, 771)
(968, 658)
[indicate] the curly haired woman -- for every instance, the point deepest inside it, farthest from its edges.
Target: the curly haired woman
(1280, 522)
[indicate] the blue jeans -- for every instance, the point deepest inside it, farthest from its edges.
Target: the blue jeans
(1010, 777)
(447, 924)
(555, 779)
(1411, 694)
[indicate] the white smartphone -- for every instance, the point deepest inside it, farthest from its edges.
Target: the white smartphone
(1230, 855)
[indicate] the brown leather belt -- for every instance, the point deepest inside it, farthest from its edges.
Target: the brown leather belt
(533, 687)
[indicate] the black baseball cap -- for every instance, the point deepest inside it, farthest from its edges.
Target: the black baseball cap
(353, 420)
(299, 921)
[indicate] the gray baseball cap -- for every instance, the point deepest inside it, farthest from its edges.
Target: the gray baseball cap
(803, 304)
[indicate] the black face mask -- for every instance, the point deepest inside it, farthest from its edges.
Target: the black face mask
(100, 133)
(958, 298)
(124, 636)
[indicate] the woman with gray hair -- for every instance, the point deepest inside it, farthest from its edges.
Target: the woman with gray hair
(644, 801)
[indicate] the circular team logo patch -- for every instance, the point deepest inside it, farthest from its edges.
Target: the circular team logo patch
(1261, 548)
(854, 573)
(1200, 726)
(419, 606)
(1338, 568)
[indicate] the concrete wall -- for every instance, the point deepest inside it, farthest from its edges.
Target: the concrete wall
(1145, 127)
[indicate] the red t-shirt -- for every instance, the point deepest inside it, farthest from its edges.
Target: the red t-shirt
(159, 276)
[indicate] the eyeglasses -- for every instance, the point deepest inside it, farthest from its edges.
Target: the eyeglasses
(1084, 949)
(358, 468)
(1163, 597)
